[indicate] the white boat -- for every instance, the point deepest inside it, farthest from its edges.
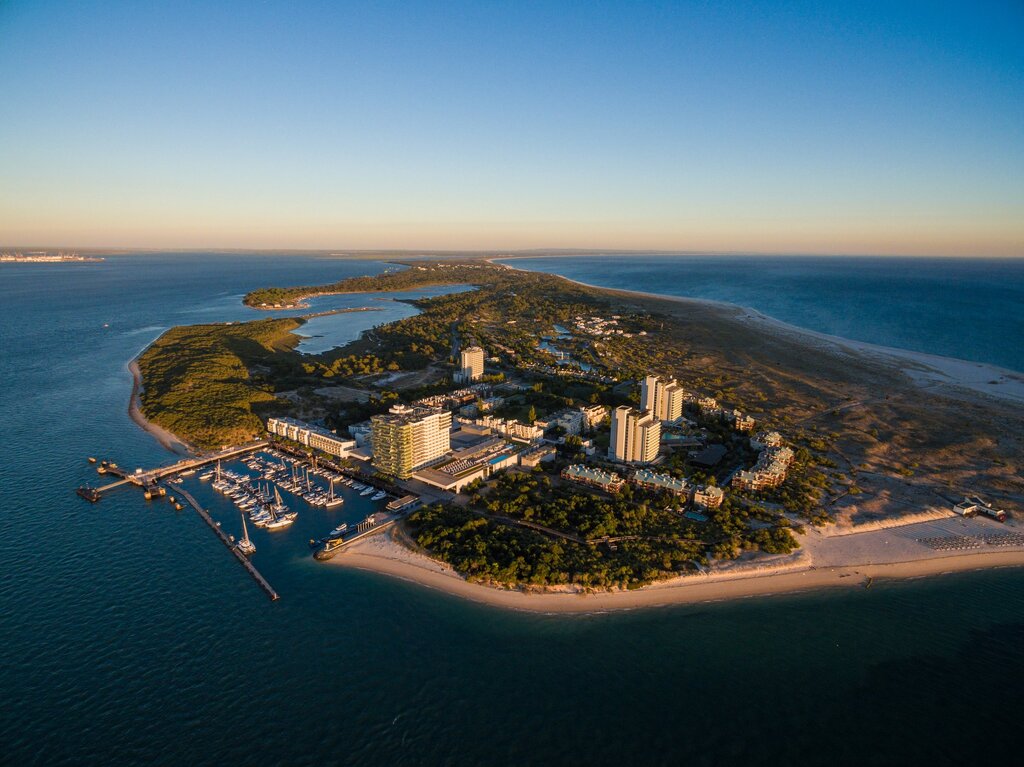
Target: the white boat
(339, 529)
(379, 496)
(277, 524)
(367, 491)
(245, 545)
(333, 501)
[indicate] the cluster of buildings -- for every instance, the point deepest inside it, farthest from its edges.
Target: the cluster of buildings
(312, 436)
(739, 420)
(598, 326)
(517, 430)
(705, 496)
(593, 476)
(417, 441)
(568, 371)
(770, 469)
(455, 399)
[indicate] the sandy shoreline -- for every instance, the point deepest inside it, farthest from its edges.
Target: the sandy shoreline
(925, 370)
(383, 555)
(164, 437)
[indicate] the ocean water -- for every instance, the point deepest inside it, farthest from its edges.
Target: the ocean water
(971, 309)
(132, 637)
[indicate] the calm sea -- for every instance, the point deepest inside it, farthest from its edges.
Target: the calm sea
(971, 309)
(131, 636)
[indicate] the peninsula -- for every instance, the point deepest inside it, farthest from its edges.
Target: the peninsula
(567, 439)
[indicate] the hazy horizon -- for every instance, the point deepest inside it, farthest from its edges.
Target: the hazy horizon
(874, 129)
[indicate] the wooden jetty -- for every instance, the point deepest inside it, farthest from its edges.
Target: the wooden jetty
(244, 560)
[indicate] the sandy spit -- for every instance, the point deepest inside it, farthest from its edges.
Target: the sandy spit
(382, 554)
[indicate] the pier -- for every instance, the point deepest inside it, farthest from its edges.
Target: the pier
(244, 560)
(148, 478)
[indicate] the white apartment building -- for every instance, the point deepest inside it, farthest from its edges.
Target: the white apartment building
(471, 365)
(663, 398)
(593, 415)
(636, 436)
(312, 436)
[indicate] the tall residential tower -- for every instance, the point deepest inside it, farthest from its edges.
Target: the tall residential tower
(663, 398)
(635, 437)
(471, 365)
(407, 439)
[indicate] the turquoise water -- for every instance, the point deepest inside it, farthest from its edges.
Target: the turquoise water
(971, 309)
(132, 637)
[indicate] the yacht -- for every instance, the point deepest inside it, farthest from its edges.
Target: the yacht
(333, 501)
(379, 496)
(339, 529)
(367, 491)
(245, 545)
(277, 524)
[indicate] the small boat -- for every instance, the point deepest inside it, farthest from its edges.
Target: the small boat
(367, 491)
(91, 459)
(379, 496)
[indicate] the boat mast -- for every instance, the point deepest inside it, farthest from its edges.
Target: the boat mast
(245, 529)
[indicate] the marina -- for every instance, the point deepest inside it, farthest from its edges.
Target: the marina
(256, 494)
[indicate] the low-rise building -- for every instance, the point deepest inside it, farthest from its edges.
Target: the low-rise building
(593, 415)
(656, 481)
(708, 496)
(537, 455)
(769, 471)
(361, 432)
(569, 420)
(766, 439)
(512, 429)
(315, 437)
(588, 475)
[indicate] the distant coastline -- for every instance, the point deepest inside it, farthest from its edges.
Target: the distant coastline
(44, 258)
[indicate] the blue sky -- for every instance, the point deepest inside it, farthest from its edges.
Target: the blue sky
(767, 127)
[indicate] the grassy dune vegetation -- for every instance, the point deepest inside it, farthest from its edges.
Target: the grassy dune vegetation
(413, 277)
(197, 384)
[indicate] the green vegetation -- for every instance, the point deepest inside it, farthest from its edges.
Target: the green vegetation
(197, 382)
(527, 529)
(487, 551)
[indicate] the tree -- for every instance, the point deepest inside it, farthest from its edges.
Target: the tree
(531, 414)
